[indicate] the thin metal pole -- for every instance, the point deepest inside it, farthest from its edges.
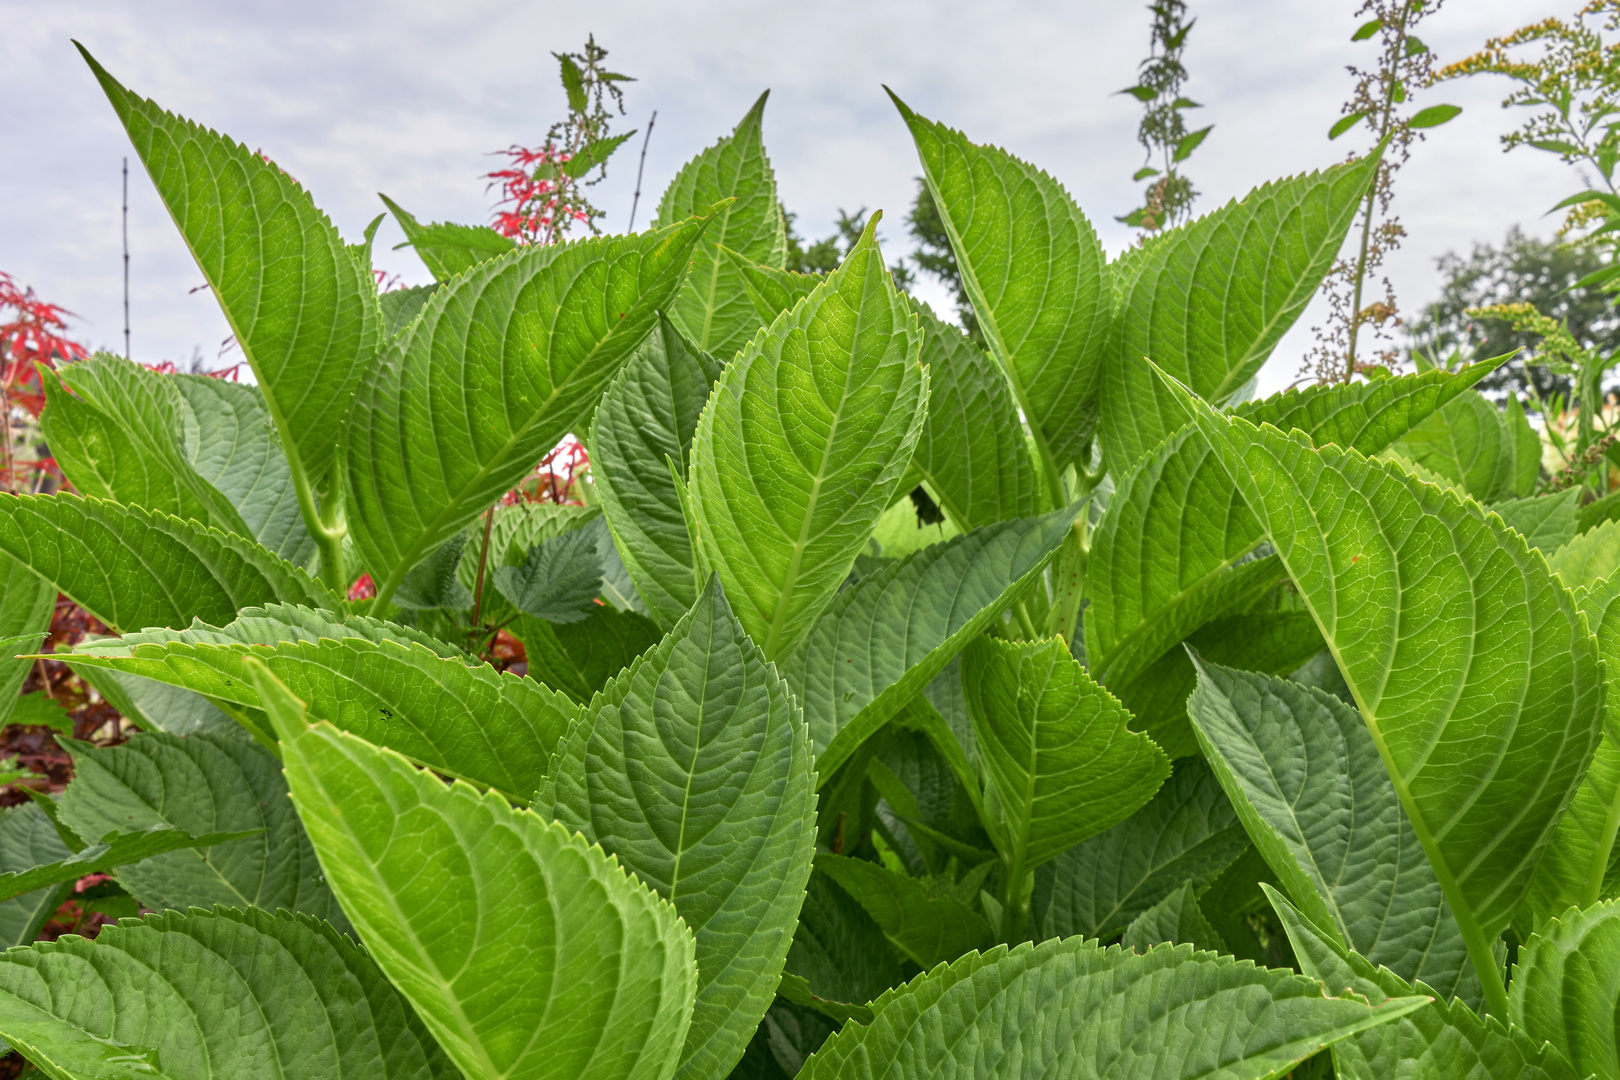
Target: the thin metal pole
(126, 259)
(637, 200)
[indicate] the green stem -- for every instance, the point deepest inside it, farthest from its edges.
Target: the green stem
(1025, 623)
(328, 528)
(483, 561)
(1014, 911)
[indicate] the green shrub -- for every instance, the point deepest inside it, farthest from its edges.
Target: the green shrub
(1036, 799)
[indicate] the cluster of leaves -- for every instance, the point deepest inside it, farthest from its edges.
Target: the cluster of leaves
(1214, 736)
(1163, 132)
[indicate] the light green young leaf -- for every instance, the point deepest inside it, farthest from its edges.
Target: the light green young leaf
(28, 839)
(838, 949)
(885, 637)
(1305, 778)
(120, 436)
(469, 721)
(110, 852)
(133, 569)
(27, 604)
(1035, 273)
(1566, 987)
(579, 658)
(1073, 1009)
(445, 248)
(1590, 557)
(1443, 1039)
(771, 290)
(1492, 452)
(1058, 762)
(212, 995)
(1175, 920)
(646, 422)
(694, 769)
(1546, 522)
(713, 307)
(973, 452)
(928, 927)
(1169, 554)
(801, 445)
(303, 310)
(199, 784)
(1471, 665)
(528, 952)
(234, 448)
(1208, 301)
(452, 416)
(1187, 833)
(1275, 643)
(267, 625)
(1576, 869)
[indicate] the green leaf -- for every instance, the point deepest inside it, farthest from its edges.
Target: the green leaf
(27, 605)
(1073, 1009)
(594, 153)
(526, 950)
(1566, 987)
(802, 444)
(1492, 452)
(795, 989)
(453, 416)
(928, 927)
(1306, 780)
(303, 310)
(133, 569)
(435, 582)
(1174, 920)
(646, 422)
(771, 290)
(1498, 667)
(1173, 550)
(1367, 30)
(212, 994)
(1545, 521)
(694, 769)
(579, 658)
(1190, 142)
(1058, 762)
(1275, 643)
(1443, 1039)
(838, 949)
(111, 851)
(1187, 833)
(118, 436)
(1210, 300)
(1589, 558)
(713, 307)
(468, 721)
(28, 838)
(973, 452)
(515, 530)
(1034, 270)
(1345, 123)
(1597, 512)
(558, 581)
(199, 784)
(401, 306)
(1434, 116)
(446, 249)
(155, 706)
(887, 636)
(236, 451)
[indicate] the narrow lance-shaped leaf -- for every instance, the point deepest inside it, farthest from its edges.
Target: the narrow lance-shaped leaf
(1306, 779)
(713, 307)
(133, 569)
(302, 309)
(1034, 270)
(801, 446)
(447, 249)
(1208, 301)
(1074, 1009)
(1486, 707)
(110, 852)
(501, 364)
(1446, 1038)
(527, 952)
(212, 995)
(643, 430)
(694, 769)
(885, 637)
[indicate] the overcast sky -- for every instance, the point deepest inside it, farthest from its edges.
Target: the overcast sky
(408, 98)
